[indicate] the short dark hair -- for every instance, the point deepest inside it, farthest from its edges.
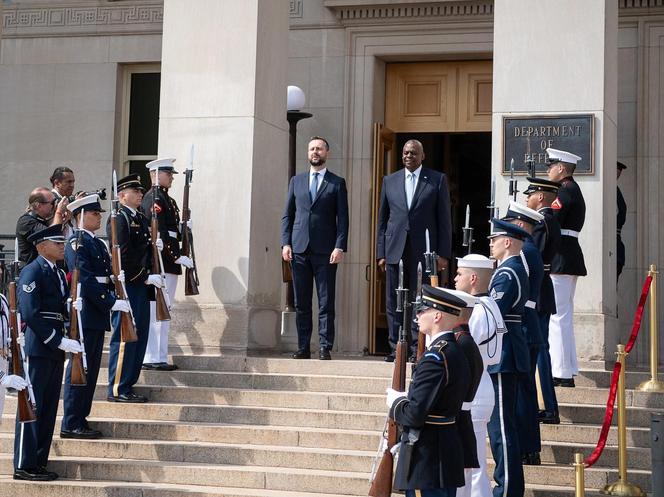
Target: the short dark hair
(327, 145)
(59, 173)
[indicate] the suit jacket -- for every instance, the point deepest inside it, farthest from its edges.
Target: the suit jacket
(43, 309)
(430, 209)
(321, 225)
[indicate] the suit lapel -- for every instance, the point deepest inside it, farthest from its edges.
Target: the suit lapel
(321, 189)
(304, 188)
(422, 183)
(402, 187)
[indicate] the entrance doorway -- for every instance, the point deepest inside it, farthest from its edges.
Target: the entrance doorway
(425, 101)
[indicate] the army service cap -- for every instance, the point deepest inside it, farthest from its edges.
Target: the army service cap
(440, 299)
(162, 165)
(554, 155)
(53, 234)
(541, 185)
(475, 261)
(131, 181)
(523, 213)
(505, 228)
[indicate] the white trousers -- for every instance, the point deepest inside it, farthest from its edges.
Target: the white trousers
(562, 346)
(477, 479)
(157, 349)
(3, 366)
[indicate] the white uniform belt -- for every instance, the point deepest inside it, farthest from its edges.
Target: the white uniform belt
(572, 233)
(173, 234)
(531, 304)
(466, 406)
(103, 279)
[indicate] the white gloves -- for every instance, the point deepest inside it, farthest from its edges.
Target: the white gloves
(121, 276)
(78, 304)
(21, 338)
(160, 244)
(185, 261)
(69, 345)
(189, 224)
(121, 305)
(155, 280)
(395, 449)
(13, 381)
(393, 396)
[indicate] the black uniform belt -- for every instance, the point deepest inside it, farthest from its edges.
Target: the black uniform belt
(433, 419)
(52, 315)
(512, 318)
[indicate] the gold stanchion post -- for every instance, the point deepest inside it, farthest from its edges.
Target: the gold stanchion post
(653, 384)
(622, 486)
(580, 480)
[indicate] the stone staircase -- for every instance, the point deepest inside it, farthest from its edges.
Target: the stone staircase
(275, 427)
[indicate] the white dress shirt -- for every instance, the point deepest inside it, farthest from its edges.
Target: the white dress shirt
(409, 183)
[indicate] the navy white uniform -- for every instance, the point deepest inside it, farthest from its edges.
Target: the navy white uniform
(510, 289)
(42, 296)
(92, 259)
(133, 237)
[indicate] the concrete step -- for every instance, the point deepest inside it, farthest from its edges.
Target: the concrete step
(594, 414)
(599, 396)
(589, 434)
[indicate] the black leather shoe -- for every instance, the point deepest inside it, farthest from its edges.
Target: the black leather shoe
(85, 433)
(532, 459)
(549, 418)
(149, 366)
(302, 354)
(52, 475)
(31, 475)
(164, 366)
(563, 382)
(389, 358)
(324, 354)
(130, 397)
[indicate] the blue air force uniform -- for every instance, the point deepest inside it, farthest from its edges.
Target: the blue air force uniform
(431, 454)
(510, 289)
(126, 359)
(42, 297)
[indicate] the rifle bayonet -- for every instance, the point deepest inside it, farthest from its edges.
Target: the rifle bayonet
(468, 232)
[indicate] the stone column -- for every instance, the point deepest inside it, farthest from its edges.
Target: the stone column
(223, 89)
(560, 57)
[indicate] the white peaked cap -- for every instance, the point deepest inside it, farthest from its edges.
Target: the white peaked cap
(523, 211)
(165, 164)
(469, 299)
(89, 202)
(475, 261)
(562, 156)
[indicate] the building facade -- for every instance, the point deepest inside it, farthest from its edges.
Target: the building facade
(95, 84)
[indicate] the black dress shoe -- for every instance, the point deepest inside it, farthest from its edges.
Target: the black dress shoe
(164, 366)
(84, 433)
(563, 382)
(302, 354)
(389, 358)
(532, 459)
(130, 398)
(31, 475)
(324, 354)
(149, 366)
(549, 418)
(52, 475)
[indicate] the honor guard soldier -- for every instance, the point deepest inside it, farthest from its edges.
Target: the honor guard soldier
(527, 409)
(89, 255)
(42, 297)
(133, 237)
(6, 380)
(509, 288)
(486, 326)
(464, 420)
(168, 217)
(568, 264)
(620, 222)
(546, 236)
(430, 462)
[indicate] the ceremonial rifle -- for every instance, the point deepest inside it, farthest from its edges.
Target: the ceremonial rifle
(26, 397)
(421, 339)
(513, 181)
(381, 481)
(79, 360)
(530, 162)
(162, 304)
(190, 274)
(127, 323)
(468, 232)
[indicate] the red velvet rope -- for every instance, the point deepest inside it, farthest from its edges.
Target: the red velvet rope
(610, 403)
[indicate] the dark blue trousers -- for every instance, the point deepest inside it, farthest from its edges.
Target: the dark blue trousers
(437, 492)
(504, 437)
(544, 367)
(32, 441)
(527, 408)
(307, 268)
(77, 399)
(126, 359)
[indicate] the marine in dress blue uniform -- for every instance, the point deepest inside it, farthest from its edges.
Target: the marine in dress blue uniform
(42, 297)
(527, 408)
(430, 462)
(546, 236)
(133, 232)
(510, 289)
(89, 255)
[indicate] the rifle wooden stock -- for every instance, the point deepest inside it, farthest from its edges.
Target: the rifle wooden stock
(381, 486)
(127, 328)
(190, 274)
(162, 312)
(26, 412)
(78, 376)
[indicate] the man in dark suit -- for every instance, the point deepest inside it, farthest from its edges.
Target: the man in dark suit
(620, 222)
(314, 234)
(413, 200)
